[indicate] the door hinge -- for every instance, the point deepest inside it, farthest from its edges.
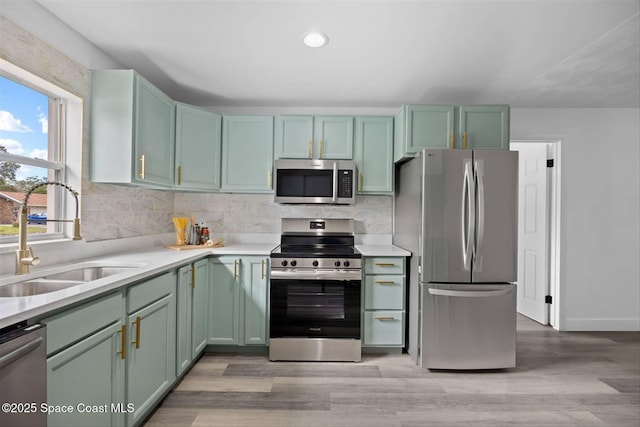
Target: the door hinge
(549, 163)
(548, 299)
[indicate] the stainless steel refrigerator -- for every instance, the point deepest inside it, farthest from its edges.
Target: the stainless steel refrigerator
(457, 212)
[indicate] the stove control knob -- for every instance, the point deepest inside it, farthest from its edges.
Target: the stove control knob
(346, 263)
(315, 263)
(283, 263)
(337, 263)
(294, 263)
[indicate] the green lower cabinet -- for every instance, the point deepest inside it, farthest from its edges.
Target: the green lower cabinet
(384, 302)
(383, 328)
(151, 356)
(85, 349)
(89, 374)
(191, 308)
(238, 301)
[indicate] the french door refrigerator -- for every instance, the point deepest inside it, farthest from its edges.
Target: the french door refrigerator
(456, 211)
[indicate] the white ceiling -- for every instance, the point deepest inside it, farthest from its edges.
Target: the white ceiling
(526, 53)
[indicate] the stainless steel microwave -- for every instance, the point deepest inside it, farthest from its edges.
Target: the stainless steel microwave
(315, 181)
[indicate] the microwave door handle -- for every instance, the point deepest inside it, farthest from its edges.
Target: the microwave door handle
(335, 182)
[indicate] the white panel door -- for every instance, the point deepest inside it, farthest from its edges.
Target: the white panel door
(533, 276)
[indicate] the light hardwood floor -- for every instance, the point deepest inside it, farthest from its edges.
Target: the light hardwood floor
(561, 379)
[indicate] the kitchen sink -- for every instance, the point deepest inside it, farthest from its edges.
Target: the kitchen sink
(36, 287)
(73, 276)
(88, 274)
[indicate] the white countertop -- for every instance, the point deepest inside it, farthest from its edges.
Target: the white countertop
(147, 262)
(152, 261)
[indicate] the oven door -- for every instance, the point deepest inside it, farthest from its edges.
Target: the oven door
(315, 308)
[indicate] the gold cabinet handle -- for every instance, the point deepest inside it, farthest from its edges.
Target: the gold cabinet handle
(269, 180)
(360, 181)
(193, 277)
(137, 340)
(453, 141)
(385, 264)
(321, 148)
(384, 282)
(142, 167)
(123, 342)
(262, 267)
(310, 149)
(464, 138)
(384, 318)
(235, 269)
(179, 175)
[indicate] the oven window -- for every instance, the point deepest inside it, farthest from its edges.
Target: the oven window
(316, 300)
(304, 183)
(315, 308)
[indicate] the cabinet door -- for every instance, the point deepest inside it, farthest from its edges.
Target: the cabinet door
(154, 130)
(255, 286)
(224, 306)
(294, 137)
(383, 328)
(151, 359)
(184, 315)
(199, 307)
(198, 140)
(333, 137)
(374, 151)
(483, 127)
(426, 126)
(91, 372)
(247, 153)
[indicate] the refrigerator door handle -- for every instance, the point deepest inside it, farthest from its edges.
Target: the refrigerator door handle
(468, 215)
(479, 175)
(473, 294)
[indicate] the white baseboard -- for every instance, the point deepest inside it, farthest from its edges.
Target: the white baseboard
(602, 324)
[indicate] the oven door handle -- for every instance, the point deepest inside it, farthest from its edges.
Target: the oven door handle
(340, 275)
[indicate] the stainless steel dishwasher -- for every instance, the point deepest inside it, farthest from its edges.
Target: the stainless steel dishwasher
(23, 376)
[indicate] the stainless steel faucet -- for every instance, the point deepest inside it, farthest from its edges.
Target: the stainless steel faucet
(24, 255)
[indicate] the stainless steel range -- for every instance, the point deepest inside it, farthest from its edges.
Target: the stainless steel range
(315, 292)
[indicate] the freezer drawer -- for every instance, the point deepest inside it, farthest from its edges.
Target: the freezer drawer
(468, 326)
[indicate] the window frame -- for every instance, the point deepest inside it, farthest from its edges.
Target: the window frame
(64, 149)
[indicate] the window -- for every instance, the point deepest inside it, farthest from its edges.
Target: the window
(33, 150)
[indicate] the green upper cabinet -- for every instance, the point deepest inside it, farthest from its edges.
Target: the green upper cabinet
(444, 126)
(423, 126)
(247, 153)
(373, 154)
(317, 137)
(483, 127)
(132, 130)
(198, 146)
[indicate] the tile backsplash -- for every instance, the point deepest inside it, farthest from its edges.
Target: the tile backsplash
(258, 213)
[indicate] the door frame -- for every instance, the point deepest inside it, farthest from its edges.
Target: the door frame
(553, 238)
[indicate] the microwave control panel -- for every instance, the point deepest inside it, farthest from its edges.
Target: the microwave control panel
(345, 183)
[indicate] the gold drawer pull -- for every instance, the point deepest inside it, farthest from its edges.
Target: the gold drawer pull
(384, 282)
(179, 175)
(137, 340)
(385, 264)
(235, 269)
(123, 342)
(384, 318)
(142, 167)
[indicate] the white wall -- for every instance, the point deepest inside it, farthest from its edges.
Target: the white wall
(600, 209)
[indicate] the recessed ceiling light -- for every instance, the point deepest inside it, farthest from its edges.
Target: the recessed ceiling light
(316, 39)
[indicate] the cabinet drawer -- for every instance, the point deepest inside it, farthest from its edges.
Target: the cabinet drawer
(72, 325)
(384, 265)
(384, 292)
(145, 293)
(384, 328)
